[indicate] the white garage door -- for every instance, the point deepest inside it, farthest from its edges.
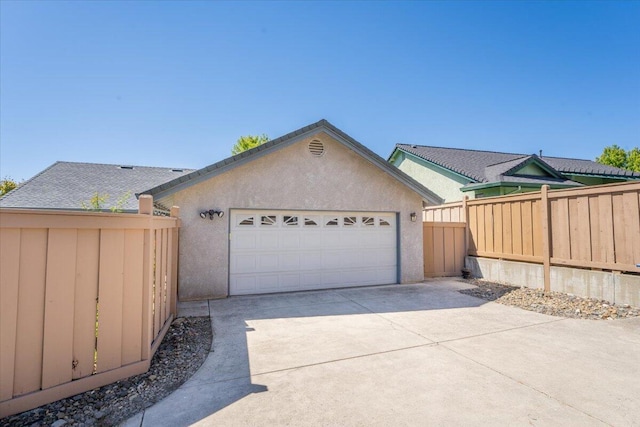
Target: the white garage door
(279, 251)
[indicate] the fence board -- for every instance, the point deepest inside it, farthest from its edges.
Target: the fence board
(606, 230)
(460, 250)
(488, 228)
(481, 242)
(156, 283)
(85, 302)
(438, 250)
(132, 296)
(163, 279)
(536, 227)
(30, 325)
(584, 230)
(560, 236)
(498, 228)
(110, 292)
(516, 228)
(9, 277)
(632, 226)
(619, 230)
(427, 249)
(472, 220)
(527, 228)
(507, 232)
(449, 249)
(594, 232)
(57, 359)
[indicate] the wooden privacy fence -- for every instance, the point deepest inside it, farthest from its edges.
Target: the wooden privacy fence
(595, 227)
(444, 248)
(86, 299)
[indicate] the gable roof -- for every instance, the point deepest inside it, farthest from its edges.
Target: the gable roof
(225, 165)
(66, 185)
(483, 166)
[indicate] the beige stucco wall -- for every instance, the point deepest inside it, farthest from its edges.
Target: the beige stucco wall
(440, 184)
(289, 178)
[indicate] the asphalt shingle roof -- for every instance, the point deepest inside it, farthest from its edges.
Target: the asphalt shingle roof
(66, 185)
(486, 166)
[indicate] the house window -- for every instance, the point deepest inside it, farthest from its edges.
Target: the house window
(349, 221)
(268, 220)
(384, 223)
(290, 220)
(331, 221)
(368, 220)
(247, 220)
(310, 222)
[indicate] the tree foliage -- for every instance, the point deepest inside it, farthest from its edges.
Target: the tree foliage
(98, 202)
(614, 155)
(7, 184)
(247, 142)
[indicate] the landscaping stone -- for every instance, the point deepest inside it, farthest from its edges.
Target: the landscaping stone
(551, 303)
(182, 351)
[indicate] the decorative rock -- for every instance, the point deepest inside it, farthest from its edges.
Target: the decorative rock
(59, 423)
(551, 303)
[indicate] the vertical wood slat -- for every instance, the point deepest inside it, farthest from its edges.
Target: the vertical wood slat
(449, 250)
(631, 211)
(110, 293)
(132, 296)
(30, 325)
(606, 228)
(594, 232)
(427, 249)
(516, 228)
(438, 245)
(560, 236)
(507, 236)
(480, 240)
(163, 279)
(9, 277)
(537, 227)
(498, 228)
(527, 228)
(173, 245)
(619, 229)
(85, 301)
(584, 230)
(157, 259)
(57, 361)
(472, 221)
(460, 250)
(488, 227)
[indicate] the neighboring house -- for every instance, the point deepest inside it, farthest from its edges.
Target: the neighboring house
(70, 186)
(452, 173)
(312, 209)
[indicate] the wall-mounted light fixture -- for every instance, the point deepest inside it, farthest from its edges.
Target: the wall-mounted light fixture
(413, 216)
(211, 213)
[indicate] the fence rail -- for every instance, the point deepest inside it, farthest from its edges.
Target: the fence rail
(596, 227)
(86, 299)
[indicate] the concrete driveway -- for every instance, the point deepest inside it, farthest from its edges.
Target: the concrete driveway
(405, 355)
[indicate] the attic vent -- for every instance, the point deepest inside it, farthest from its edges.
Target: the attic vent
(126, 167)
(177, 170)
(316, 148)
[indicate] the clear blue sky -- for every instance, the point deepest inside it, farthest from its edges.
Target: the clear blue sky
(176, 83)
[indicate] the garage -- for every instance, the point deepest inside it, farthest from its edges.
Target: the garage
(282, 251)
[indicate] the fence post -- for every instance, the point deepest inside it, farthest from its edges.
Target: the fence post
(546, 237)
(145, 207)
(465, 219)
(175, 240)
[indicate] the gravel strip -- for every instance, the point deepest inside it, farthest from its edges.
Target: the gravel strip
(182, 351)
(552, 303)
